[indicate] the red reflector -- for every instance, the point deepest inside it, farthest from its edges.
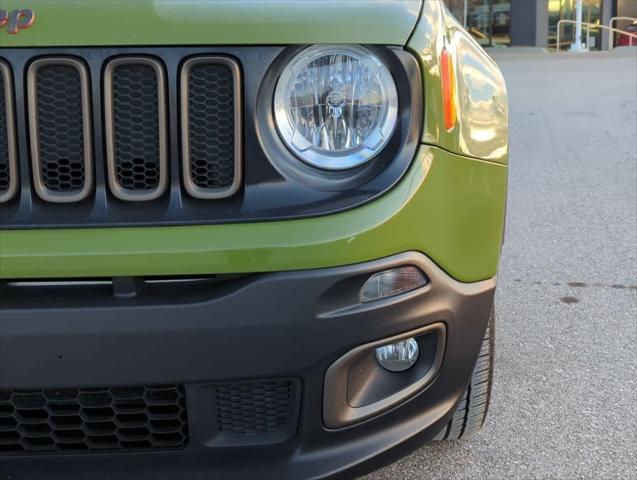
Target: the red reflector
(448, 89)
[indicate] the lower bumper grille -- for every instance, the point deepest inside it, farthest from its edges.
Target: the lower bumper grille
(254, 407)
(256, 412)
(93, 419)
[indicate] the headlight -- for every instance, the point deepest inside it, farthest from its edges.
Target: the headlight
(335, 106)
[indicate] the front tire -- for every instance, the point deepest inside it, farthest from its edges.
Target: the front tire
(472, 409)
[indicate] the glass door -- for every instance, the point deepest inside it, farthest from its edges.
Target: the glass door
(592, 13)
(565, 10)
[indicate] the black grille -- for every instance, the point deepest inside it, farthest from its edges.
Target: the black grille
(136, 113)
(5, 172)
(211, 126)
(93, 419)
(136, 127)
(266, 184)
(265, 407)
(211, 119)
(60, 130)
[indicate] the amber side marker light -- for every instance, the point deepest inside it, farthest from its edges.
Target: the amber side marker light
(448, 80)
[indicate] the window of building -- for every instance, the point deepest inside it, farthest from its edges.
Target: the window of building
(565, 10)
(489, 21)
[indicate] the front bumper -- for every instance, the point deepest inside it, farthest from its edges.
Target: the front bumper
(447, 206)
(276, 325)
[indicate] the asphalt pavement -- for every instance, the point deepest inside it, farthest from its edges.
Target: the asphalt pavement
(564, 403)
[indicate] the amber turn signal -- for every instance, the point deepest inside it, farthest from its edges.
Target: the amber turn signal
(448, 80)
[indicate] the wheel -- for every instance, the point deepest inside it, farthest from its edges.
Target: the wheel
(472, 410)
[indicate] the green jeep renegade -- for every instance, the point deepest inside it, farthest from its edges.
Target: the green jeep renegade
(243, 239)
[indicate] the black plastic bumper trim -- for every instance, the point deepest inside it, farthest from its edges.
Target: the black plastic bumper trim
(278, 325)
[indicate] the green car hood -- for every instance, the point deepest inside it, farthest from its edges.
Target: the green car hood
(210, 22)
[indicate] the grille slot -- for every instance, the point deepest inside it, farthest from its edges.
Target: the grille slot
(93, 419)
(136, 136)
(101, 128)
(8, 162)
(256, 412)
(60, 129)
(210, 126)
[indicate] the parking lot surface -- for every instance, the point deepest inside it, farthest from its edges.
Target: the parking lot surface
(564, 403)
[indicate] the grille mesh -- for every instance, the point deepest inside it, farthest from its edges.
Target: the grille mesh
(65, 95)
(5, 173)
(136, 127)
(60, 128)
(100, 419)
(255, 408)
(211, 125)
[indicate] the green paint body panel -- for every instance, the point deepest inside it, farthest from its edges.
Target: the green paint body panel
(447, 206)
(213, 22)
(450, 204)
(481, 96)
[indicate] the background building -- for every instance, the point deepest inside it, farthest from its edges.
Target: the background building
(534, 22)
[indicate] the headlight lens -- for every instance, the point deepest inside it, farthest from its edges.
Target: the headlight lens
(336, 106)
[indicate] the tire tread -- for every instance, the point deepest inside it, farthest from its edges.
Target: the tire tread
(472, 410)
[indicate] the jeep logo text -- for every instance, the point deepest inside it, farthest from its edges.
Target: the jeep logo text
(17, 20)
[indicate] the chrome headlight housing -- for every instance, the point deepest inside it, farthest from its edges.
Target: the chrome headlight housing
(335, 106)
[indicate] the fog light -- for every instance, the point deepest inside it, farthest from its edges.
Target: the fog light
(399, 356)
(392, 282)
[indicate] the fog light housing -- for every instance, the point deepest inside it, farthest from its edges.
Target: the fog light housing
(392, 282)
(398, 356)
